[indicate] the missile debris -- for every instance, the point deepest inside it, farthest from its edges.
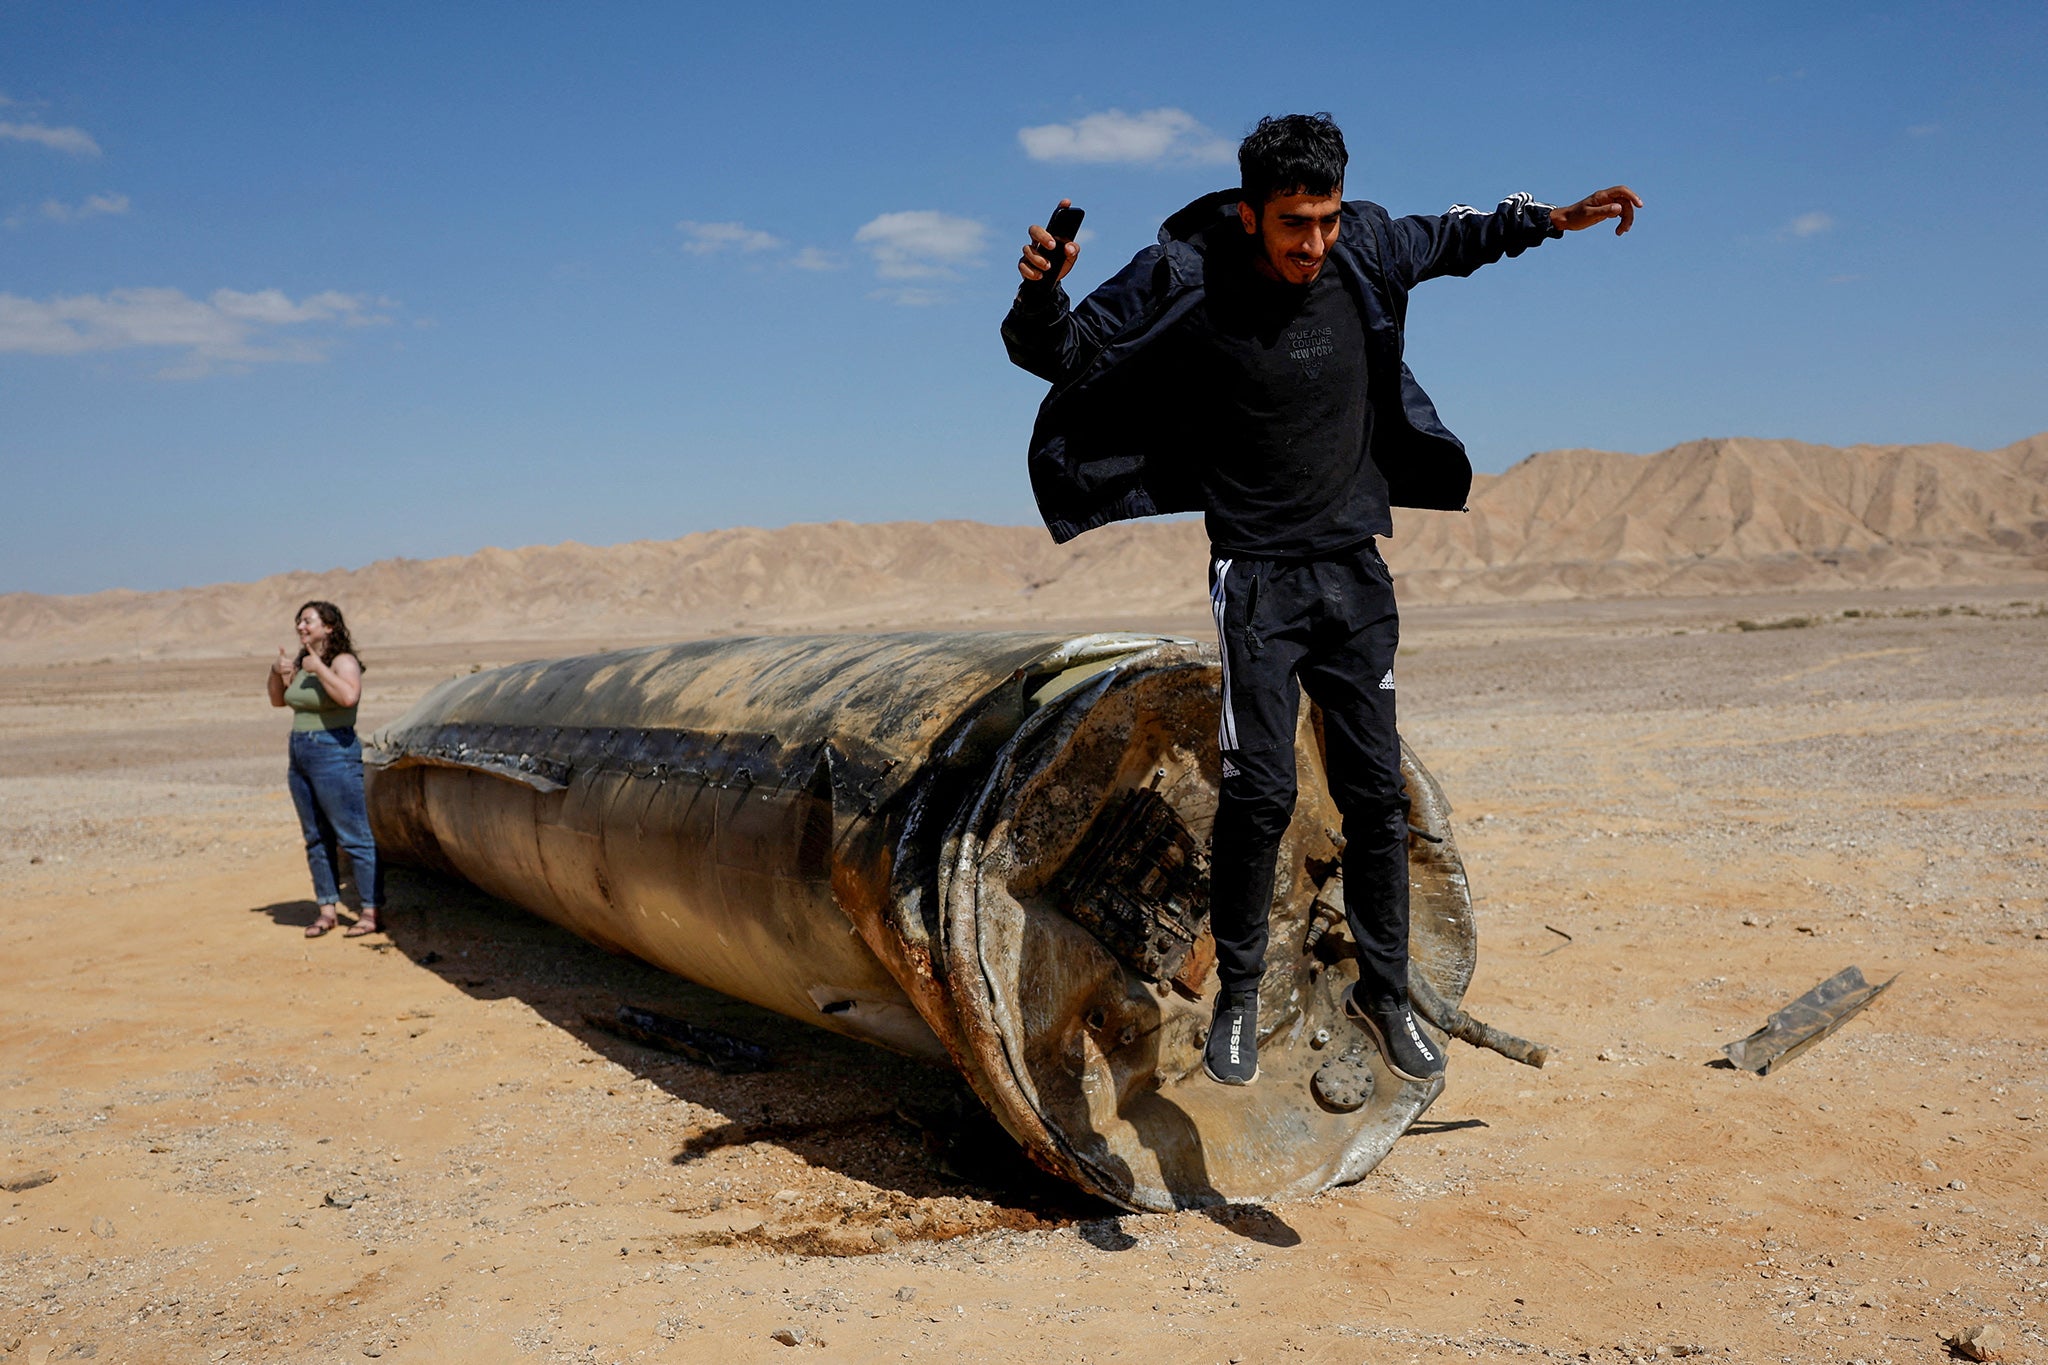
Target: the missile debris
(1804, 1022)
(986, 850)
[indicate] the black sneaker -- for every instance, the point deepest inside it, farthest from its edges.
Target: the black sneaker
(1408, 1052)
(1232, 1054)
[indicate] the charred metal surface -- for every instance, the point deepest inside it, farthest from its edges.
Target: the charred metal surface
(1140, 883)
(984, 848)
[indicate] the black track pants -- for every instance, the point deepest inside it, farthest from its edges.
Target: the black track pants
(1329, 624)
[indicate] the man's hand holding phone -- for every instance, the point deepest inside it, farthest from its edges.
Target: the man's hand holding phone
(1050, 253)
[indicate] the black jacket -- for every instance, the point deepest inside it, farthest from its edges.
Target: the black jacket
(1109, 443)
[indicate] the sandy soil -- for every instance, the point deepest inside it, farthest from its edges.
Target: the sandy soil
(268, 1149)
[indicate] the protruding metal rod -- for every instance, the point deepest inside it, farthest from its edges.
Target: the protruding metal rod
(1458, 1024)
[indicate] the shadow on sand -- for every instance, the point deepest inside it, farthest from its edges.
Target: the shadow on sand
(868, 1114)
(887, 1121)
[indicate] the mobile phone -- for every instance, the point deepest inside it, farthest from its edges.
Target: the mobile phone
(1064, 223)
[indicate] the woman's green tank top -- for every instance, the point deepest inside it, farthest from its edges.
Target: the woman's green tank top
(311, 707)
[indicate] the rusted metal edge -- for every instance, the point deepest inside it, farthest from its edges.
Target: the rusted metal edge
(1804, 1022)
(991, 1062)
(990, 1059)
(894, 906)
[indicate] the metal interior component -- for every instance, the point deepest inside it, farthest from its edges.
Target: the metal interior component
(1325, 913)
(986, 849)
(1345, 1082)
(1804, 1022)
(1140, 883)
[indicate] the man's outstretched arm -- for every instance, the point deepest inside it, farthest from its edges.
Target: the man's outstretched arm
(1460, 241)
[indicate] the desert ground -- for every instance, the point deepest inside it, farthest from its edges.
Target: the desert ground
(224, 1142)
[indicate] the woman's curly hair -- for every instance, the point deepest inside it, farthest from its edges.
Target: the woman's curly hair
(338, 642)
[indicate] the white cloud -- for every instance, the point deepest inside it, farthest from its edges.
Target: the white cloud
(1810, 224)
(909, 296)
(272, 307)
(227, 328)
(705, 238)
(815, 258)
(921, 244)
(76, 141)
(1114, 136)
(57, 211)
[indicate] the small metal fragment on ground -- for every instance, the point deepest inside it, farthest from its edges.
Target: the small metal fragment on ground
(1560, 947)
(1454, 1021)
(1982, 1342)
(707, 1047)
(791, 1336)
(32, 1180)
(1804, 1022)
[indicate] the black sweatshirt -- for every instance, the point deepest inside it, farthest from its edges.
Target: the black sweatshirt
(1278, 415)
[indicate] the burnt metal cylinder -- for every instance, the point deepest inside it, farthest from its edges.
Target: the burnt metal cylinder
(985, 849)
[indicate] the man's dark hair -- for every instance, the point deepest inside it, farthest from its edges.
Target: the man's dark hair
(1295, 152)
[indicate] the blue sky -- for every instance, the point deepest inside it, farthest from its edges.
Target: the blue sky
(303, 286)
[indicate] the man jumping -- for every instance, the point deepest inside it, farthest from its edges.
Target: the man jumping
(1248, 366)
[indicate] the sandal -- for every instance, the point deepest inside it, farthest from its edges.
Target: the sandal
(366, 924)
(329, 917)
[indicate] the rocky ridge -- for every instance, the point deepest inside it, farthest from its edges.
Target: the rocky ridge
(1708, 517)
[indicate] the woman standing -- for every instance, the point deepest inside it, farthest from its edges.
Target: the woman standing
(322, 685)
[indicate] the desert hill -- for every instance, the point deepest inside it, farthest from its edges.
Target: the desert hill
(1738, 516)
(1711, 516)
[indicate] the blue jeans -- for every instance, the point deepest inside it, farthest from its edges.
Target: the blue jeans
(327, 787)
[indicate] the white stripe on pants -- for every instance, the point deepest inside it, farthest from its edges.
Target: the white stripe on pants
(1226, 728)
